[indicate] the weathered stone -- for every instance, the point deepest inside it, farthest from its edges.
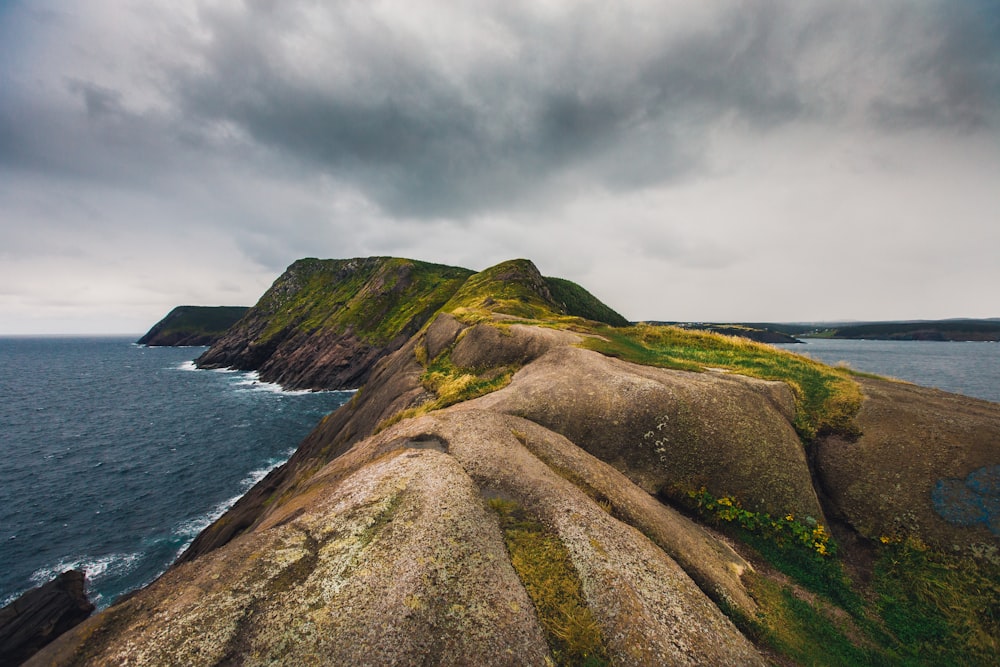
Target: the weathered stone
(671, 431)
(40, 615)
(917, 444)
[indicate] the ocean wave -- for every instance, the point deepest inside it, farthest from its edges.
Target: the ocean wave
(250, 381)
(190, 528)
(255, 384)
(96, 569)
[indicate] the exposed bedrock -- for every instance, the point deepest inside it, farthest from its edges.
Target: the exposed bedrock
(42, 614)
(671, 431)
(390, 555)
(383, 539)
(927, 464)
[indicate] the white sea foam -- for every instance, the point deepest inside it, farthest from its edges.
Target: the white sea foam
(189, 529)
(187, 366)
(251, 382)
(95, 568)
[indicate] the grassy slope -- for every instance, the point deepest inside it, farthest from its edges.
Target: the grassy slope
(579, 302)
(513, 288)
(826, 398)
(376, 297)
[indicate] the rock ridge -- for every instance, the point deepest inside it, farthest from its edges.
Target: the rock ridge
(693, 516)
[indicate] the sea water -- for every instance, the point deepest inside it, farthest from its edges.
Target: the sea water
(113, 457)
(970, 368)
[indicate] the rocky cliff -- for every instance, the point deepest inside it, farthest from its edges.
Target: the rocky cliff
(516, 484)
(324, 323)
(193, 325)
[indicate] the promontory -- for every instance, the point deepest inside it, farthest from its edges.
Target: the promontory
(524, 478)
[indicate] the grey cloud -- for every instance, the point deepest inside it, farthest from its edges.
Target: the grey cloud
(98, 100)
(265, 131)
(576, 101)
(425, 143)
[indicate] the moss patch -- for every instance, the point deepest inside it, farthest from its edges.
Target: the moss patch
(451, 384)
(548, 575)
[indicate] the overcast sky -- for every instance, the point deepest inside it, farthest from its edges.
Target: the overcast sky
(716, 161)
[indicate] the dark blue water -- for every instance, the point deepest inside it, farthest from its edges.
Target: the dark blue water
(113, 456)
(970, 368)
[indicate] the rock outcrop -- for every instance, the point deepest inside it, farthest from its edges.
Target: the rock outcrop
(192, 325)
(927, 464)
(495, 495)
(40, 615)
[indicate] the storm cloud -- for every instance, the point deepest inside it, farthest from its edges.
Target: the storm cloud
(683, 160)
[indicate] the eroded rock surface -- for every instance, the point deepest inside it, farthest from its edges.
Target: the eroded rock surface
(671, 431)
(42, 614)
(925, 465)
(389, 555)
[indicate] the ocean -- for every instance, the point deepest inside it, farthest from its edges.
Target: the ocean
(970, 368)
(113, 457)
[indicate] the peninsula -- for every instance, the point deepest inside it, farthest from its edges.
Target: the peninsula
(524, 478)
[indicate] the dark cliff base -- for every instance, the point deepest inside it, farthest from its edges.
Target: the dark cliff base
(954, 330)
(39, 616)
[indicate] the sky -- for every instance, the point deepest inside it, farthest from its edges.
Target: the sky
(688, 161)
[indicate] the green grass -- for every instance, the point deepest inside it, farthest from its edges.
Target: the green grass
(920, 608)
(451, 384)
(377, 298)
(810, 633)
(512, 288)
(938, 607)
(826, 398)
(801, 549)
(547, 573)
(578, 302)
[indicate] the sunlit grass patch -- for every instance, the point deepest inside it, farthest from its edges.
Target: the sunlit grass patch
(547, 573)
(807, 631)
(939, 605)
(451, 384)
